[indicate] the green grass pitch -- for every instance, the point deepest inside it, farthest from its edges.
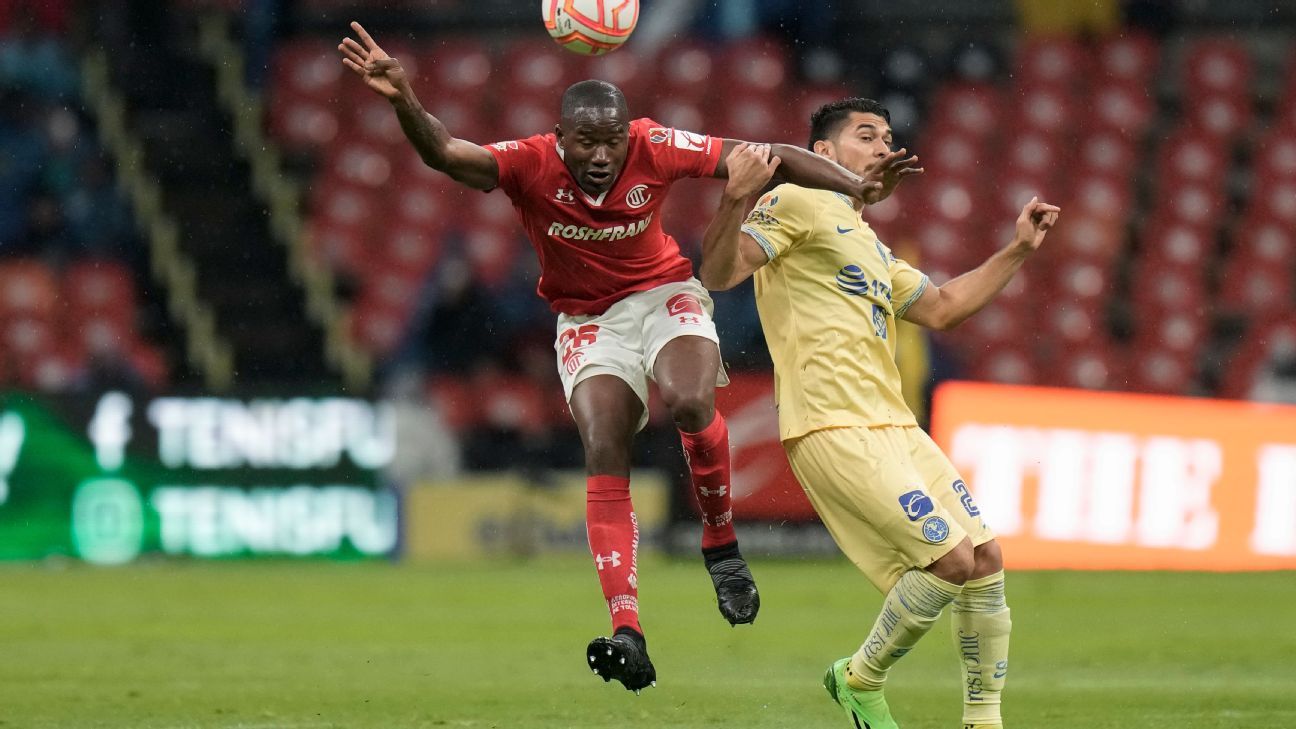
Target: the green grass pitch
(276, 645)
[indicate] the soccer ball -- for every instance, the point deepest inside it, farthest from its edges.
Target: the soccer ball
(590, 27)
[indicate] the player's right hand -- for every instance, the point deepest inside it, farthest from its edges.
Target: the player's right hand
(380, 72)
(750, 169)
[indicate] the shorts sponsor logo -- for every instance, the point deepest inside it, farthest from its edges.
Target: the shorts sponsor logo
(572, 344)
(687, 308)
(658, 135)
(638, 196)
(916, 505)
(965, 498)
(935, 530)
(505, 146)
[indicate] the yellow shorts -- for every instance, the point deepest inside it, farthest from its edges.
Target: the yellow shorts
(890, 498)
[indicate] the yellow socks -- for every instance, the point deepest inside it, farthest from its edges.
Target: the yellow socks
(909, 611)
(982, 623)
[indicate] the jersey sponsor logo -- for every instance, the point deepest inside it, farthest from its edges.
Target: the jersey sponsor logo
(638, 196)
(565, 196)
(658, 135)
(965, 498)
(844, 231)
(852, 280)
(916, 504)
(935, 530)
(880, 321)
(615, 232)
(690, 141)
(505, 146)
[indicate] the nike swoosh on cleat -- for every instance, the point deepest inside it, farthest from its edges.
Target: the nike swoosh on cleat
(844, 231)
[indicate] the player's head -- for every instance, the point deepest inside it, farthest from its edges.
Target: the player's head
(852, 132)
(594, 134)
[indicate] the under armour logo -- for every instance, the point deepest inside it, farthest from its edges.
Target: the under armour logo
(696, 321)
(565, 196)
(615, 559)
(712, 492)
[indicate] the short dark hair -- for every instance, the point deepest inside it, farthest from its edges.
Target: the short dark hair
(592, 94)
(828, 119)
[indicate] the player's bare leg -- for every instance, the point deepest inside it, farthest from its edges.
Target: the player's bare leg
(607, 412)
(910, 610)
(982, 624)
(685, 371)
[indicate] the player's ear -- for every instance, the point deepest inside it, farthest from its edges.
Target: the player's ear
(824, 148)
(558, 133)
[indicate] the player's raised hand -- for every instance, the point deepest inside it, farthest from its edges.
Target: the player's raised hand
(1035, 221)
(366, 59)
(886, 174)
(750, 169)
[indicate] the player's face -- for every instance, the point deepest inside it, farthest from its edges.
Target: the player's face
(595, 143)
(863, 139)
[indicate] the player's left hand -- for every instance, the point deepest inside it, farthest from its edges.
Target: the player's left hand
(1035, 221)
(750, 169)
(886, 174)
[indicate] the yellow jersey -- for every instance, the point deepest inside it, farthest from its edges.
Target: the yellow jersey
(828, 301)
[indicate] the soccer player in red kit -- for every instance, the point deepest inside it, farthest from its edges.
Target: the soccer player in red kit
(589, 196)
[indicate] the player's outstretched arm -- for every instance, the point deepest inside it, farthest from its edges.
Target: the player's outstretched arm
(729, 256)
(807, 169)
(945, 307)
(466, 162)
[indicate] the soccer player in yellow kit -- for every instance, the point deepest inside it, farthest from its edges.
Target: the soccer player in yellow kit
(829, 294)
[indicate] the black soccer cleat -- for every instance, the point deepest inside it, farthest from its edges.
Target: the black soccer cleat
(624, 657)
(735, 588)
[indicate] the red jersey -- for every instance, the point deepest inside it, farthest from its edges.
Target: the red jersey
(596, 251)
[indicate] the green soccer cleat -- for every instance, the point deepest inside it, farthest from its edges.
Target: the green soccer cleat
(983, 726)
(867, 709)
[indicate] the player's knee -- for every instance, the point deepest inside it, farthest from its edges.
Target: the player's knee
(606, 453)
(691, 411)
(957, 565)
(989, 559)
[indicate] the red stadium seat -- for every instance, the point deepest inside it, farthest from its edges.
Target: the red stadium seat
(953, 153)
(1129, 57)
(27, 290)
(432, 209)
(1044, 108)
(1084, 283)
(1126, 108)
(1188, 156)
(456, 68)
(340, 248)
(758, 66)
(307, 68)
(1055, 61)
(1219, 115)
(1264, 242)
(99, 286)
(535, 69)
(301, 123)
(492, 252)
(752, 118)
(374, 122)
(1277, 201)
(377, 328)
(338, 204)
(1034, 153)
(1107, 152)
(1092, 366)
(1275, 156)
(680, 113)
(1161, 372)
(1196, 204)
(685, 70)
(409, 249)
(361, 164)
(1177, 244)
(527, 116)
(975, 110)
(1156, 287)
(1181, 331)
(1008, 365)
(630, 72)
(1101, 197)
(807, 100)
(1259, 292)
(1218, 65)
(27, 338)
(1088, 237)
(949, 199)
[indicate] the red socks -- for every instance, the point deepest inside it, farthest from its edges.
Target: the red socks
(613, 533)
(708, 458)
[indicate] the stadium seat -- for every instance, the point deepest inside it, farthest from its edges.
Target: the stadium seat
(302, 124)
(685, 69)
(535, 71)
(1129, 57)
(1218, 65)
(456, 68)
(307, 68)
(1044, 108)
(1274, 156)
(1052, 61)
(1222, 116)
(1126, 108)
(360, 163)
(755, 66)
(27, 290)
(1035, 153)
(1161, 372)
(1107, 152)
(630, 72)
(1007, 365)
(974, 109)
(1086, 237)
(1093, 366)
(1186, 155)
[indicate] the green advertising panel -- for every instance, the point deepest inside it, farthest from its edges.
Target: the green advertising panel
(109, 478)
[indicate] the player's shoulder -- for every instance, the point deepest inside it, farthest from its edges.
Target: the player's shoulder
(787, 196)
(534, 143)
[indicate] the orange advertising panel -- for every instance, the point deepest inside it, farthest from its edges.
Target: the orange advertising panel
(1085, 480)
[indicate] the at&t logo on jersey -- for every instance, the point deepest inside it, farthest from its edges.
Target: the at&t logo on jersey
(638, 196)
(852, 280)
(916, 505)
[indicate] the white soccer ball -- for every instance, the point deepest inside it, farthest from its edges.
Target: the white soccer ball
(590, 27)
